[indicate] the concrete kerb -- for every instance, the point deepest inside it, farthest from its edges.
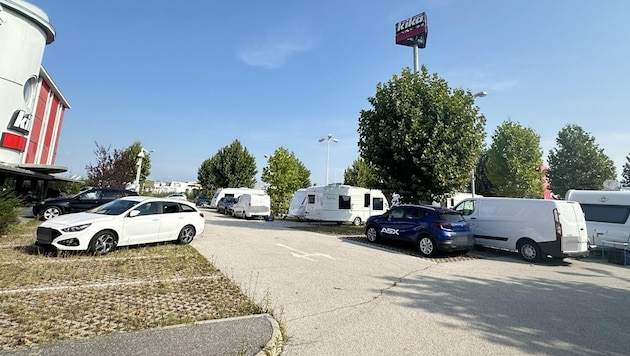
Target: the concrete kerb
(274, 345)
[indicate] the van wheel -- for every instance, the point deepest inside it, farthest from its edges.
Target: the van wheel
(529, 250)
(372, 234)
(427, 246)
(356, 221)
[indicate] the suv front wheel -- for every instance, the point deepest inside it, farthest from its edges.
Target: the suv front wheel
(50, 212)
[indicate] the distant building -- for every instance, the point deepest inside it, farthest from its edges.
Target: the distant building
(32, 106)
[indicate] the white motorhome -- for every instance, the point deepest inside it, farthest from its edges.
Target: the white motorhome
(343, 203)
(535, 228)
(607, 215)
(297, 208)
(231, 192)
(252, 206)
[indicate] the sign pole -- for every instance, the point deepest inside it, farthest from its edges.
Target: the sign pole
(415, 58)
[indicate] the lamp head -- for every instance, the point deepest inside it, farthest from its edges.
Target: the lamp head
(321, 139)
(481, 94)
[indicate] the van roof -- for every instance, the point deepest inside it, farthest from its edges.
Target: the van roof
(603, 197)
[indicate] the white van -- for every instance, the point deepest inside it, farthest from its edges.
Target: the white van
(607, 215)
(535, 228)
(297, 208)
(252, 205)
(231, 192)
(343, 203)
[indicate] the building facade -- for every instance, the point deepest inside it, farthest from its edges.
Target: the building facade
(31, 105)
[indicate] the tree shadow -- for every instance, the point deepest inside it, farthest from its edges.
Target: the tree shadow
(535, 315)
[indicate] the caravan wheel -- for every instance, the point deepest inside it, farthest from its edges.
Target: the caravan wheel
(356, 221)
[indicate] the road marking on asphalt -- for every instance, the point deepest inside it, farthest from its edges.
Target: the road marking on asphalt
(300, 254)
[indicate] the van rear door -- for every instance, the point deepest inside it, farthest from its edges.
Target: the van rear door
(574, 233)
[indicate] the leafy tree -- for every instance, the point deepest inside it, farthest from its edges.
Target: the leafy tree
(113, 169)
(577, 162)
(513, 162)
(626, 172)
(231, 167)
(483, 186)
(360, 174)
(285, 174)
(131, 153)
(421, 138)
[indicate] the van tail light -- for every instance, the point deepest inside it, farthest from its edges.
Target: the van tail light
(556, 220)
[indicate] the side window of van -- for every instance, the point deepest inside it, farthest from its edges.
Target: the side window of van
(466, 208)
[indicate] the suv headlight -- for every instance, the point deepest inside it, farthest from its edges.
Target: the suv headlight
(76, 228)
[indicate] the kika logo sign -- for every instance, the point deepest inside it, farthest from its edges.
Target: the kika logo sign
(412, 31)
(21, 122)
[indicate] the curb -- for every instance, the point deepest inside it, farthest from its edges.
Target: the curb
(274, 345)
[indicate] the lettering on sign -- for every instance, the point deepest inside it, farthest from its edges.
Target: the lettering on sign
(21, 122)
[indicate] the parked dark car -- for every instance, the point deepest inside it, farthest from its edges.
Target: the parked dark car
(224, 206)
(83, 201)
(202, 200)
(431, 229)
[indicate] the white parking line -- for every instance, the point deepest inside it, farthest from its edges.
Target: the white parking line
(102, 285)
(300, 254)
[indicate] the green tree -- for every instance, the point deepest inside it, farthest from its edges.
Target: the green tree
(577, 162)
(421, 138)
(626, 172)
(231, 167)
(131, 153)
(285, 174)
(360, 175)
(514, 160)
(483, 186)
(112, 169)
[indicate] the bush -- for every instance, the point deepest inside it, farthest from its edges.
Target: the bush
(8, 212)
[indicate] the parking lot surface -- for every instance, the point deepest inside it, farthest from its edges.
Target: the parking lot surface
(340, 295)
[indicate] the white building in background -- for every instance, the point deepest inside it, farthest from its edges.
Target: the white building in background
(160, 187)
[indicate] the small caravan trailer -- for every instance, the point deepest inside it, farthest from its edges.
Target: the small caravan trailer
(343, 203)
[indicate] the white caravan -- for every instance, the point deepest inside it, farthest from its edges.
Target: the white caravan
(252, 205)
(343, 203)
(607, 216)
(231, 192)
(535, 228)
(297, 208)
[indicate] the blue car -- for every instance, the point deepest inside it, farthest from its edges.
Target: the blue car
(430, 228)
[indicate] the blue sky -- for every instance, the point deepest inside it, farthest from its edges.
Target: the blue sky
(188, 78)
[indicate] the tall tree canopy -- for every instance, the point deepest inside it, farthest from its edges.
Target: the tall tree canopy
(231, 167)
(360, 175)
(421, 138)
(625, 175)
(514, 161)
(112, 169)
(577, 162)
(285, 174)
(483, 185)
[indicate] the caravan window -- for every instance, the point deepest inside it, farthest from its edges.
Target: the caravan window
(377, 204)
(616, 214)
(366, 200)
(311, 198)
(344, 202)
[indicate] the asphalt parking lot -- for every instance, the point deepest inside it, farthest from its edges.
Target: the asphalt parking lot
(340, 295)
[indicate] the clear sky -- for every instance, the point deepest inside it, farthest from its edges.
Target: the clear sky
(188, 78)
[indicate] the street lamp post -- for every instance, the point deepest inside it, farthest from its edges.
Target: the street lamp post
(139, 165)
(480, 94)
(329, 138)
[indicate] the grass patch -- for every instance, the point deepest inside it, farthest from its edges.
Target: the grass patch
(49, 298)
